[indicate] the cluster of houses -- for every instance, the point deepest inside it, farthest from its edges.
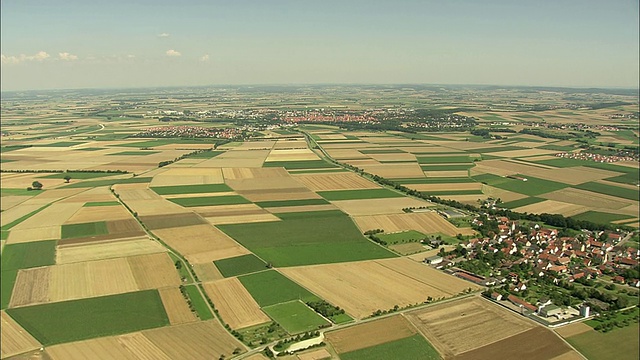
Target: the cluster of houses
(562, 258)
(191, 132)
(328, 116)
(596, 157)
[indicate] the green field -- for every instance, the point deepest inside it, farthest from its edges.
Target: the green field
(413, 347)
(78, 175)
(84, 230)
(631, 194)
(101, 203)
(63, 144)
(458, 167)
(7, 282)
(82, 319)
(532, 187)
(305, 164)
(210, 200)
(302, 202)
(425, 160)
(206, 154)
(20, 192)
(198, 302)
(295, 317)
(600, 217)
(191, 189)
(305, 240)
(136, 153)
(4, 234)
(359, 194)
(402, 237)
(240, 265)
(619, 344)
(311, 214)
(271, 287)
(521, 202)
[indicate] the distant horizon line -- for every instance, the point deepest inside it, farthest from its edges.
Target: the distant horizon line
(323, 84)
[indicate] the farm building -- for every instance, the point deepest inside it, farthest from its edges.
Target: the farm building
(434, 260)
(549, 310)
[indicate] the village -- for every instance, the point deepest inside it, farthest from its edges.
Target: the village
(550, 278)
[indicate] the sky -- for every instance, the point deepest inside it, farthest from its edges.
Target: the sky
(54, 44)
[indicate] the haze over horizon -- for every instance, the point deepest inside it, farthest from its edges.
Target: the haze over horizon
(74, 44)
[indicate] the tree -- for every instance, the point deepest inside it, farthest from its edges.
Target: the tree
(67, 178)
(37, 185)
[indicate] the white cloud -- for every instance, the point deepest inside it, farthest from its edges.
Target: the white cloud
(173, 53)
(11, 59)
(163, 35)
(66, 56)
(204, 58)
(130, 56)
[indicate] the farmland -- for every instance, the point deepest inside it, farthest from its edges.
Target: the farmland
(166, 248)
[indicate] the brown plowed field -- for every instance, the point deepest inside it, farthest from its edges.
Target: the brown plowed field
(340, 181)
(364, 287)
(176, 306)
(66, 254)
(156, 222)
(195, 239)
(379, 206)
(14, 340)
(424, 222)
(197, 341)
(99, 213)
(370, 334)
(236, 306)
(127, 226)
(467, 324)
(33, 287)
(535, 344)
(154, 271)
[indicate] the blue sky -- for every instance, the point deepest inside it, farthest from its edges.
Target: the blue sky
(80, 44)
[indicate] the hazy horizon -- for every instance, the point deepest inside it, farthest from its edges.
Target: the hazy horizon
(117, 45)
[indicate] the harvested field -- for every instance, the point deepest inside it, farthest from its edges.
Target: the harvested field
(176, 306)
(188, 176)
(370, 334)
(586, 198)
(379, 206)
(535, 344)
(571, 355)
(553, 206)
(447, 173)
(299, 193)
(239, 158)
(155, 207)
(236, 306)
(424, 222)
(341, 181)
(523, 153)
(154, 271)
(364, 287)
(573, 329)
(427, 275)
(207, 272)
(36, 234)
(7, 202)
(406, 249)
(15, 340)
(395, 171)
(155, 222)
(504, 195)
(90, 279)
(134, 346)
(201, 243)
(234, 214)
(291, 155)
(463, 325)
(240, 173)
(54, 215)
(66, 254)
(32, 287)
(100, 213)
(200, 340)
(321, 354)
(344, 154)
(393, 157)
(445, 187)
(305, 208)
(13, 214)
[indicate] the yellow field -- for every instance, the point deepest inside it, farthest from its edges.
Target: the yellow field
(587, 198)
(54, 215)
(553, 206)
(236, 306)
(134, 346)
(35, 234)
(188, 176)
(370, 334)
(466, 324)
(395, 171)
(201, 243)
(379, 206)
(445, 187)
(154, 271)
(99, 213)
(176, 306)
(14, 340)
(105, 250)
(207, 271)
(8, 202)
(291, 155)
(424, 222)
(364, 287)
(340, 181)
